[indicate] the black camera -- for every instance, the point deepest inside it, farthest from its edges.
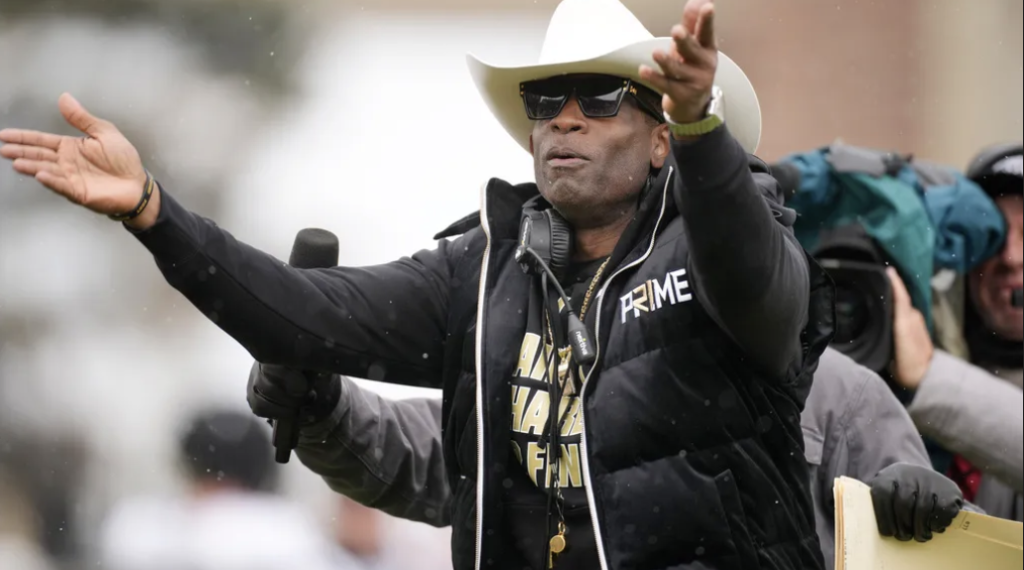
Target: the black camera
(864, 307)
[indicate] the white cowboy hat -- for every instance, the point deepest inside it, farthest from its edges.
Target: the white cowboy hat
(604, 37)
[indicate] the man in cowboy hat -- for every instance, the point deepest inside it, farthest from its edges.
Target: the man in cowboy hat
(648, 283)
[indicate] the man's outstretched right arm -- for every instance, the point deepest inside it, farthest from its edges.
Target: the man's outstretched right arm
(386, 322)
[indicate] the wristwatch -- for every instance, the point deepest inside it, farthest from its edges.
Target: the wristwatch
(715, 117)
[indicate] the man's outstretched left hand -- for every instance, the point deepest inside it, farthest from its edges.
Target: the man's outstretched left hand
(688, 69)
(913, 502)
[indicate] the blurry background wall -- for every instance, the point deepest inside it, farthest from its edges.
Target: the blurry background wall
(359, 117)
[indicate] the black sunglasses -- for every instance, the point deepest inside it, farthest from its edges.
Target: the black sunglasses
(599, 96)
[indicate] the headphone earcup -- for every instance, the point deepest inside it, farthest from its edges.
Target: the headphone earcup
(561, 240)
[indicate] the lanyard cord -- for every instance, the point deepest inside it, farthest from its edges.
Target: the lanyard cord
(555, 424)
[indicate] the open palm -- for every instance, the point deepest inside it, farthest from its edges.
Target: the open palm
(101, 171)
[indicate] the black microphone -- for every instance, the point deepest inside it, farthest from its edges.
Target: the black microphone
(314, 248)
(1018, 298)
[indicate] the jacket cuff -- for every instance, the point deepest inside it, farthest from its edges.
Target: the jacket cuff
(168, 238)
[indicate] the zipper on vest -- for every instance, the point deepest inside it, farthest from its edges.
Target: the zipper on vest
(587, 480)
(480, 308)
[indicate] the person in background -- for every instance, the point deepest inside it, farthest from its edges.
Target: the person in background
(359, 537)
(855, 427)
(969, 402)
(387, 454)
(367, 539)
(230, 519)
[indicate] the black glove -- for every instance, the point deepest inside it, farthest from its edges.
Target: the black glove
(912, 502)
(277, 392)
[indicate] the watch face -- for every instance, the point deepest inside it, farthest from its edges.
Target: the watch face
(717, 105)
(714, 117)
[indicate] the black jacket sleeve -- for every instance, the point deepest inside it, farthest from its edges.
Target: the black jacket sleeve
(749, 271)
(385, 323)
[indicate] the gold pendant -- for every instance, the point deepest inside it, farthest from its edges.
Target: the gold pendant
(557, 544)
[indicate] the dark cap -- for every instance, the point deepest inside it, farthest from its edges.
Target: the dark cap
(230, 447)
(998, 169)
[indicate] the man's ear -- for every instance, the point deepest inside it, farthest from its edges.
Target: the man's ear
(660, 146)
(531, 145)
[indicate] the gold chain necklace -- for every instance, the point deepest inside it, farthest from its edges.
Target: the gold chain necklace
(593, 285)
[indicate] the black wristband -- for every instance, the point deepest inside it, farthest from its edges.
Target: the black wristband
(147, 194)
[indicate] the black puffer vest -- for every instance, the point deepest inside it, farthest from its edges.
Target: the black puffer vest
(691, 458)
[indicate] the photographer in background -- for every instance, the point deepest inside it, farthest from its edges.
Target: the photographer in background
(863, 211)
(972, 406)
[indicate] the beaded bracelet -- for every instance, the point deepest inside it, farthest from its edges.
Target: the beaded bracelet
(147, 194)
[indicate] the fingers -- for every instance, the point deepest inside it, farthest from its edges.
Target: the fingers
(705, 32)
(30, 138)
(77, 116)
(690, 53)
(254, 375)
(924, 517)
(904, 507)
(944, 513)
(674, 67)
(30, 167)
(270, 406)
(940, 517)
(882, 499)
(57, 182)
(655, 78)
(269, 393)
(693, 11)
(900, 295)
(292, 383)
(37, 161)
(47, 173)
(16, 151)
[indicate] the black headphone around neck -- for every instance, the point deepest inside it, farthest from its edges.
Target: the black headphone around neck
(544, 231)
(545, 248)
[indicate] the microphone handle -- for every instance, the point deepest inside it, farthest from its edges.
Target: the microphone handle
(313, 249)
(286, 438)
